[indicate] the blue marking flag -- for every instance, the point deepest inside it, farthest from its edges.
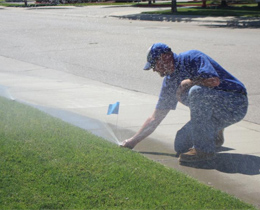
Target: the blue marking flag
(113, 108)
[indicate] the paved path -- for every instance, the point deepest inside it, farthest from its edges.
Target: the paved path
(84, 102)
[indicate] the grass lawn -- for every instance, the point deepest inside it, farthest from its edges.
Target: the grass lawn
(49, 164)
(241, 11)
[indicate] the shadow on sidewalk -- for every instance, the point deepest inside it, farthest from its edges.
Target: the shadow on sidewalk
(231, 163)
(224, 162)
(159, 153)
(203, 20)
(253, 24)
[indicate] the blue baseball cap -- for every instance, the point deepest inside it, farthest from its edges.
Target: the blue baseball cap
(154, 52)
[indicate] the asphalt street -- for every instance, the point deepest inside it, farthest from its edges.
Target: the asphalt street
(97, 43)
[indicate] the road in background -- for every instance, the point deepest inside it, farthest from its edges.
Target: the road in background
(89, 42)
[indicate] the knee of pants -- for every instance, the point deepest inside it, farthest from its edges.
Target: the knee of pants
(195, 91)
(185, 97)
(182, 141)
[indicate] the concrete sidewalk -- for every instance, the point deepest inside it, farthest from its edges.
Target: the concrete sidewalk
(84, 103)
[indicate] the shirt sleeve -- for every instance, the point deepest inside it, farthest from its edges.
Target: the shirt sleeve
(203, 68)
(167, 97)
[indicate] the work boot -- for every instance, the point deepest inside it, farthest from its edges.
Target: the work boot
(195, 155)
(219, 141)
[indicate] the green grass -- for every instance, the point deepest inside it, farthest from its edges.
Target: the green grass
(241, 11)
(212, 9)
(169, 3)
(48, 164)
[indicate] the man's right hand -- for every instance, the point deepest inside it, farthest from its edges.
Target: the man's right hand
(128, 143)
(148, 127)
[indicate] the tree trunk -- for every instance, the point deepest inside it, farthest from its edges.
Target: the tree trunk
(204, 3)
(223, 3)
(174, 6)
(25, 3)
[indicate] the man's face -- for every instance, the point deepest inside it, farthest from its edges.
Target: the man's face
(164, 65)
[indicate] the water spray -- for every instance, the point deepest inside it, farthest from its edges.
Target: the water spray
(114, 109)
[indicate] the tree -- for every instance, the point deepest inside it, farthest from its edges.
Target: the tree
(223, 3)
(204, 3)
(174, 6)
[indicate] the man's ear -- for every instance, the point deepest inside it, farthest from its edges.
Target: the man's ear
(163, 56)
(166, 56)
